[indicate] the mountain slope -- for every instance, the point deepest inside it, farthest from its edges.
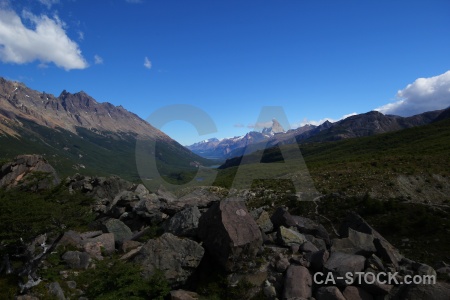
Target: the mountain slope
(77, 133)
(366, 124)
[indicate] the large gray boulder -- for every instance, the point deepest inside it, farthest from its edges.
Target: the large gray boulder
(341, 263)
(229, 233)
(184, 223)
(297, 283)
(30, 170)
(121, 231)
(177, 258)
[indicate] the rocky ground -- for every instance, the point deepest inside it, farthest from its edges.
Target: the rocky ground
(207, 233)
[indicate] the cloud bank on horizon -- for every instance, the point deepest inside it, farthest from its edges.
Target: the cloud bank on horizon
(424, 94)
(47, 42)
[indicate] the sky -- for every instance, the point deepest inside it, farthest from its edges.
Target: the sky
(317, 59)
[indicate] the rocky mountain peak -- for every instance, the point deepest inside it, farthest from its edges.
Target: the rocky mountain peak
(67, 111)
(276, 128)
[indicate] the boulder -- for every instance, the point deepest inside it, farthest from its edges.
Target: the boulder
(55, 289)
(318, 259)
(289, 237)
(384, 249)
(77, 259)
(177, 258)
(183, 295)
(438, 291)
(264, 222)
(297, 283)
(341, 263)
(32, 171)
(229, 233)
(121, 231)
(184, 223)
(329, 293)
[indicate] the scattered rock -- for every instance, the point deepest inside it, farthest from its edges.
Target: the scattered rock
(121, 231)
(288, 237)
(329, 293)
(32, 171)
(55, 289)
(184, 223)
(77, 259)
(177, 258)
(341, 263)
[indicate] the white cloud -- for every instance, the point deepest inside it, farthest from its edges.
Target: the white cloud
(147, 63)
(260, 125)
(98, 59)
(424, 94)
(80, 35)
(238, 125)
(47, 42)
(49, 3)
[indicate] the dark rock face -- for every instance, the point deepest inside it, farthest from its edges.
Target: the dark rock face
(177, 258)
(26, 170)
(229, 233)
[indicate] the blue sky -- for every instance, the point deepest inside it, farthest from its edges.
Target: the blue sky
(317, 59)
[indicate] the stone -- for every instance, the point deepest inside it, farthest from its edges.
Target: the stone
(98, 245)
(282, 264)
(130, 245)
(183, 295)
(356, 293)
(384, 249)
(329, 293)
(22, 171)
(308, 247)
(297, 283)
(270, 292)
(375, 263)
(438, 291)
(230, 234)
(318, 259)
(177, 258)
(121, 231)
(55, 289)
(288, 237)
(184, 223)
(77, 259)
(308, 226)
(281, 217)
(341, 263)
(264, 222)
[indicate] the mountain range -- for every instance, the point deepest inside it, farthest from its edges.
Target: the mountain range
(360, 125)
(75, 132)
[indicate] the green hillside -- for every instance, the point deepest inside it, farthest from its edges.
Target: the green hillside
(94, 153)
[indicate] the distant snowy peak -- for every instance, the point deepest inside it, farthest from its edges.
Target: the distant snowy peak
(276, 128)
